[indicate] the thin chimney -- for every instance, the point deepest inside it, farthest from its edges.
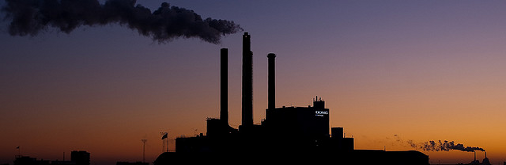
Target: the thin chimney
(224, 85)
(271, 81)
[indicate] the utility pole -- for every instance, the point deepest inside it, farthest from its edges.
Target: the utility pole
(144, 150)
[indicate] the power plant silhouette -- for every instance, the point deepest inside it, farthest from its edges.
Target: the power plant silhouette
(286, 135)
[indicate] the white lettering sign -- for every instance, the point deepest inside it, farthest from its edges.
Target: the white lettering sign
(321, 113)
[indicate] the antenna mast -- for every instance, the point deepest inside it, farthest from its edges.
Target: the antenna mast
(144, 150)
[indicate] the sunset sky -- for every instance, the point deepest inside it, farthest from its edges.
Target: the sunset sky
(389, 71)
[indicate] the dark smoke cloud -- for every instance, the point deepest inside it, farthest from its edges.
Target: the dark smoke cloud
(437, 145)
(29, 17)
(442, 146)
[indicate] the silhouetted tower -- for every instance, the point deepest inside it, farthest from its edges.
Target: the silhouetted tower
(247, 81)
(271, 82)
(319, 103)
(224, 86)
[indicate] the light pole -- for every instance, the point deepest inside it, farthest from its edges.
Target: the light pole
(144, 150)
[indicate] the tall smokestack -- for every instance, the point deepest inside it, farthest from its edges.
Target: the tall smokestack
(271, 82)
(247, 81)
(224, 85)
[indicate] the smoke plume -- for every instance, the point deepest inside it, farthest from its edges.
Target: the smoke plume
(29, 17)
(442, 146)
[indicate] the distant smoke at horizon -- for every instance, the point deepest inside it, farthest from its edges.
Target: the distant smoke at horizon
(442, 146)
(438, 145)
(29, 17)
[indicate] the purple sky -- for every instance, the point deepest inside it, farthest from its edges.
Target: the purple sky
(423, 70)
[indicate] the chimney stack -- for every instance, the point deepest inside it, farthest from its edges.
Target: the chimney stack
(247, 81)
(224, 85)
(271, 82)
(474, 156)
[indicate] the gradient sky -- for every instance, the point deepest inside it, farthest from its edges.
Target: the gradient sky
(389, 71)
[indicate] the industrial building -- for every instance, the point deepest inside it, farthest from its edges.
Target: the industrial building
(286, 135)
(76, 158)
